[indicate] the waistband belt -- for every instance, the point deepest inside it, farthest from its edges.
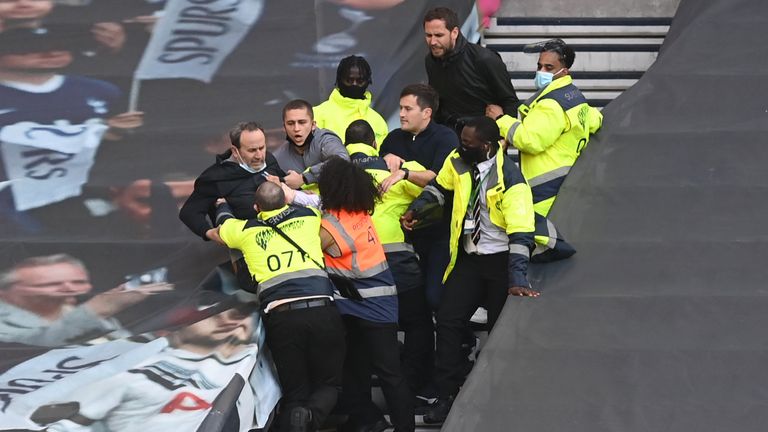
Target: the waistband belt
(301, 304)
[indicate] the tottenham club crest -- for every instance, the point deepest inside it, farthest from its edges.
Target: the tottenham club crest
(99, 106)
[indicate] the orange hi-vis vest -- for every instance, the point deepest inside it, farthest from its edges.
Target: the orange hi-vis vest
(363, 261)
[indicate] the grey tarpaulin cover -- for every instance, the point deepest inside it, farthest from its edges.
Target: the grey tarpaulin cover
(659, 322)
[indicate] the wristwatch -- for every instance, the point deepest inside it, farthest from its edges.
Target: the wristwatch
(407, 173)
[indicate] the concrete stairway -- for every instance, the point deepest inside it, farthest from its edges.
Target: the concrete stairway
(611, 53)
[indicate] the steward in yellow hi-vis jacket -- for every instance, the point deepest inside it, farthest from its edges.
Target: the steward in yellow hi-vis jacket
(492, 225)
(554, 127)
(303, 327)
(386, 218)
(508, 206)
(281, 270)
(350, 100)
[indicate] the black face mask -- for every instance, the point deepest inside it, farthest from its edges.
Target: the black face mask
(353, 91)
(472, 156)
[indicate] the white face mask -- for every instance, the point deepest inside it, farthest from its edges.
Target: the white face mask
(543, 79)
(244, 165)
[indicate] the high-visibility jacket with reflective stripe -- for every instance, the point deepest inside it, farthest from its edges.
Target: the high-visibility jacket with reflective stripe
(509, 203)
(281, 270)
(554, 127)
(338, 112)
(362, 260)
(394, 202)
(401, 257)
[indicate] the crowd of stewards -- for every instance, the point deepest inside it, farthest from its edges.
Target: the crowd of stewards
(349, 232)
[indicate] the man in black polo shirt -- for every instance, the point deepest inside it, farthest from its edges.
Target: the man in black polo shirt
(422, 140)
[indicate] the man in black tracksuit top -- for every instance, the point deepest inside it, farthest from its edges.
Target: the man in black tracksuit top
(235, 176)
(467, 76)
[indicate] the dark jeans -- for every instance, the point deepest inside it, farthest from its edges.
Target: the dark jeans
(475, 280)
(308, 348)
(432, 245)
(373, 348)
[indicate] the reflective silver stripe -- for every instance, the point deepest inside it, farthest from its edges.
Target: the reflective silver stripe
(519, 250)
(539, 249)
(511, 131)
(223, 215)
(493, 176)
(269, 283)
(550, 175)
(359, 274)
(398, 247)
(382, 291)
(551, 231)
(551, 236)
(436, 192)
(350, 242)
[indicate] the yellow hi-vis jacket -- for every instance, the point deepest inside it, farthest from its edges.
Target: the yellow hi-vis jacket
(554, 127)
(386, 217)
(281, 270)
(509, 203)
(338, 112)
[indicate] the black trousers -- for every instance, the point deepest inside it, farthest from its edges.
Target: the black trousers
(414, 318)
(373, 348)
(308, 349)
(476, 280)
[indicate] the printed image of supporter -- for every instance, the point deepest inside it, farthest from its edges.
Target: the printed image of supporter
(51, 125)
(38, 302)
(214, 367)
(108, 31)
(27, 13)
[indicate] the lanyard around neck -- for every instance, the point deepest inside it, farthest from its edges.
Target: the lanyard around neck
(476, 190)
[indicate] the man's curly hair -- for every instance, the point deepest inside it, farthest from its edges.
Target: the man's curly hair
(345, 186)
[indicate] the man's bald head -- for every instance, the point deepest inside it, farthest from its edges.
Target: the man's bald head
(269, 196)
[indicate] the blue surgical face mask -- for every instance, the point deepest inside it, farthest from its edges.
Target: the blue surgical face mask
(543, 79)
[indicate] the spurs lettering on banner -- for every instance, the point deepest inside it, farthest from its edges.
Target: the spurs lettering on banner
(47, 163)
(194, 37)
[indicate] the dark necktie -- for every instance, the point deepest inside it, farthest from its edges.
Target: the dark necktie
(475, 207)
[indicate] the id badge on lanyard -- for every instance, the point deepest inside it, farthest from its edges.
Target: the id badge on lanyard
(469, 225)
(470, 222)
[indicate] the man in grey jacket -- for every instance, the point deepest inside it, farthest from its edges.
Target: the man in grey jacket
(307, 147)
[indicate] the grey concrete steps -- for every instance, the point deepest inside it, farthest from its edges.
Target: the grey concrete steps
(611, 53)
(624, 27)
(585, 61)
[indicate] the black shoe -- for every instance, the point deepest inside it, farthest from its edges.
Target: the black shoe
(380, 426)
(438, 411)
(300, 419)
(421, 404)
